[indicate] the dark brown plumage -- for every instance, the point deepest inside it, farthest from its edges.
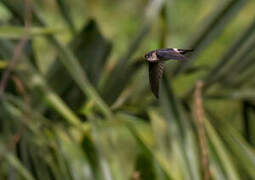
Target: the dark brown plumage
(156, 65)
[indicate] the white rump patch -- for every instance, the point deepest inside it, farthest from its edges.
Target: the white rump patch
(175, 49)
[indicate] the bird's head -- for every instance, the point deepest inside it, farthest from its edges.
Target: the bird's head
(147, 55)
(151, 56)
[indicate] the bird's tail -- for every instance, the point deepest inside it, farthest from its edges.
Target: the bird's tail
(184, 51)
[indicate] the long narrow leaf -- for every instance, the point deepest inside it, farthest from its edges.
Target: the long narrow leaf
(220, 17)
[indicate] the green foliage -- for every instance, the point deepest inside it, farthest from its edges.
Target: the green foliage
(77, 105)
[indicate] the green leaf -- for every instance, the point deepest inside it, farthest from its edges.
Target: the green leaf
(65, 12)
(224, 158)
(15, 32)
(178, 130)
(14, 162)
(213, 75)
(69, 60)
(241, 150)
(92, 51)
(215, 24)
(111, 88)
(144, 143)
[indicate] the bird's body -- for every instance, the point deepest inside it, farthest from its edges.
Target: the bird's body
(156, 66)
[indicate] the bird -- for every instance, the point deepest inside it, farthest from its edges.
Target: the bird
(156, 60)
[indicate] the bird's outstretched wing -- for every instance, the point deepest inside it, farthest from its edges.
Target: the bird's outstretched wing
(165, 54)
(155, 75)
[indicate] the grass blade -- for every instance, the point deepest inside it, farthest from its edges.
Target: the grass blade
(69, 60)
(177, 129)
(231, 52)
(15, 32)
(65, 12)
(217, 22)
(223, 154)
(120, 71)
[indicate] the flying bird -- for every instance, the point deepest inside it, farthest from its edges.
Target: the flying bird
(156, 65)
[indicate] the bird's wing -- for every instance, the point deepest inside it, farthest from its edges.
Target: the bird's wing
(155, 75)
(170, 54)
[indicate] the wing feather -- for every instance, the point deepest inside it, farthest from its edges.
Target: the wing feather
(170, 54)
(155, 75)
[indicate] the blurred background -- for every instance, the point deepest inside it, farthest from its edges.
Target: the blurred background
(75, 100)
